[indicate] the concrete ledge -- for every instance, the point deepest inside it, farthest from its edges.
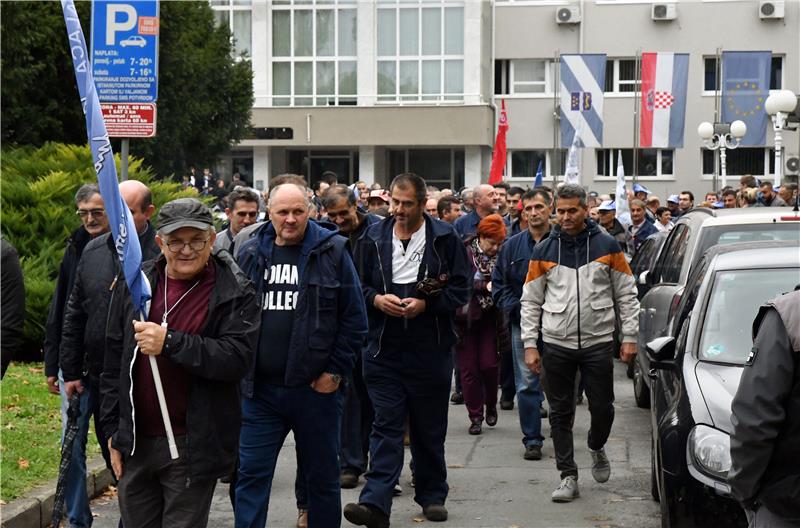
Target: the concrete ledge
(35, 509)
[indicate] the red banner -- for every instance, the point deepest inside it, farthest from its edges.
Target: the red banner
(499, 153)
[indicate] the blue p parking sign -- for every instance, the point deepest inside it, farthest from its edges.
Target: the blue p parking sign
(125, 50)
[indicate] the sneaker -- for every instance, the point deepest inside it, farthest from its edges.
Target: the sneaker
(302, 518)
(567, 490)
(435, 512)
(507, 405)
(601, 468)
(366, 515)
(398, 490)
(533, 452)
(457, 398)
(348, 479)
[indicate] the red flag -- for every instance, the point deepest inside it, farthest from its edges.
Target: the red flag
(499, 154)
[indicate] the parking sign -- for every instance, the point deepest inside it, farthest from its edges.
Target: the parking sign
(125, 50)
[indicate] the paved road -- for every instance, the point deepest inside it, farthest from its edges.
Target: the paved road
(491, 485)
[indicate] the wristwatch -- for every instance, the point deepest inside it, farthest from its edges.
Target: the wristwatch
(336, 378)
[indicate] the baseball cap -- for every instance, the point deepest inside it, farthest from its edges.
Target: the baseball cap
(608, 205)
(640, 188)
(674, 198)
(184, 212)
(379, 193)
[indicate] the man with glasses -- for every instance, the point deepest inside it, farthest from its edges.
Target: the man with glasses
(242, 211)
(201, 330)
(94, 223)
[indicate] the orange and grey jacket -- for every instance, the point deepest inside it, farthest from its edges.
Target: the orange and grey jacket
(573, 286)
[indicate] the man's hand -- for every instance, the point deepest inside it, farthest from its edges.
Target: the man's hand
(325, 383)
(533, 360)
(116, 460)
(627, 352)
(413, 307)
(73, 386)
(52, 385)
(150, 337)
(389, 304)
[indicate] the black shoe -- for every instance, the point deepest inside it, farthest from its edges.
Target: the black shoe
(348, 479)
(475, 428)
(366, 515)
(491, 416)
(435, 512)
(543, 411)
(533, 452)
(457, 398)
(507, 405)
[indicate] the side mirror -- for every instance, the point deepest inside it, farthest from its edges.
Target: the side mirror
(643, 277)
(661, 349)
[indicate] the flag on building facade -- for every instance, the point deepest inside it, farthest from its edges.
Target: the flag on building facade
(572, 174)
(662, 119)
(582, 80)
(745, 87)
(499, 153)
(539, 177)
(623, 212)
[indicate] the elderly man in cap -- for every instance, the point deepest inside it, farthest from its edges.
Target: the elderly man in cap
(202, 330)
(378, 202)
(609, 222)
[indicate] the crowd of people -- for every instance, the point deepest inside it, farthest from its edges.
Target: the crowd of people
(343, 314)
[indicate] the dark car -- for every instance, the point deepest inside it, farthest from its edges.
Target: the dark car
(645, 258)
(695, 372)
(693, 234)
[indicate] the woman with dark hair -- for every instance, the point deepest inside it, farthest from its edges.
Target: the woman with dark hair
(479, 324)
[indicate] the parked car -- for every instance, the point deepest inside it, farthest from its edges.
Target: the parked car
(695, 372)
(646, 257)
(693, 234)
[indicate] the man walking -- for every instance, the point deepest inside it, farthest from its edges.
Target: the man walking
(201, 329)
(508, 279)
(414, 275)
(484, 199)
(574, 278)
(313, 323)
(640, 228)
(242, 211)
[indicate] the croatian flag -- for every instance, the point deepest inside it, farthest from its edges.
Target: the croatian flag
(663, 111)
(582, 81)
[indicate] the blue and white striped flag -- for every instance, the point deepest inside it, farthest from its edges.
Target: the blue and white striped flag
(582, 80)
(122, 227)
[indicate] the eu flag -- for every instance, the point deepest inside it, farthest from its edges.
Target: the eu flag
(745, 87)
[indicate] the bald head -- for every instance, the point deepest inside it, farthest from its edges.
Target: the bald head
(484, 197)
(139, 200)
(288, 212)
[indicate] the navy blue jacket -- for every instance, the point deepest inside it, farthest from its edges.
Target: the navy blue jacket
(467, 225)
(637, 240)
(330, 321)
(445, 259)
(510, 271)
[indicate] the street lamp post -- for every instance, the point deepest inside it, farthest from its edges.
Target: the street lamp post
(722, 136)
(779, 105)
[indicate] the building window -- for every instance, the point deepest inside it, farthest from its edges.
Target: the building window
(420, 51)
(525, 163)
(650, 162)
(236, 15)
(622, 76)
(710, 73)
(443, 168)
(523, 76)
(741, 161)
(314, 53)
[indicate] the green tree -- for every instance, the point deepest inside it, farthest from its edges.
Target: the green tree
(205, 94)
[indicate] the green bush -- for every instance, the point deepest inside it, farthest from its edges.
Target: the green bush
(38, 215)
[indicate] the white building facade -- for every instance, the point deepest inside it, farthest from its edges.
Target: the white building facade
(369, 89)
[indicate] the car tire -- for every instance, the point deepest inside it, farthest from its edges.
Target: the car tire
(641, 392)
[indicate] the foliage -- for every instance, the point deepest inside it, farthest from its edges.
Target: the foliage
(31, 431)
(204, 94)
(38, 215)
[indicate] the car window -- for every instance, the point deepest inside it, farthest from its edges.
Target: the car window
(675, 254)
(731, 234)
(642, 257)
(732, 306)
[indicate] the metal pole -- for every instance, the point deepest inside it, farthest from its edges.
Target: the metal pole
(555, 163)
(637, 100)
(123, 173)
(722, 167)
(778, 126)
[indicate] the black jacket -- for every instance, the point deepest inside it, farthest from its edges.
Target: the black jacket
(83, 333)
(765, 444)
(66, 279)
(13, 303)
(216, 360)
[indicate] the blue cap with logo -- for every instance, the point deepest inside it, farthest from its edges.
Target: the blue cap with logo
(674, 198)
(640, 188)
(608, 205)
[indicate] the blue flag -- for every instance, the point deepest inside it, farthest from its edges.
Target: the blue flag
(745, 87)
(538, 181)
(123, 229)
(582, 81)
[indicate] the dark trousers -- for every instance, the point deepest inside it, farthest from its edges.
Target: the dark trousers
(267, 418)
(477, 360)
(356, 423)
(156, 491)
(560, 366)
(508, 386)
(422, 395)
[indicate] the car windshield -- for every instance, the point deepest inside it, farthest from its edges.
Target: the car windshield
(735, 299)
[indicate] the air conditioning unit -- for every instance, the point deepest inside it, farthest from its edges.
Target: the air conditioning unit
(792, 165)
(664, 11)
(770, 9)
(569, 14)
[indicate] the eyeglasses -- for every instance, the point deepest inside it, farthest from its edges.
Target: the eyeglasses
(94, 213)
(176, 246)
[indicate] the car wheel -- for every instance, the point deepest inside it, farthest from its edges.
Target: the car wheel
(653, 471)
(641, 392)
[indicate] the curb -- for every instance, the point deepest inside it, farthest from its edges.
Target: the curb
(35, 509)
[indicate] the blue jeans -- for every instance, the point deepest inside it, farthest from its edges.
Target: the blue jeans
(76, 499)
(267, 418)
(529, 392)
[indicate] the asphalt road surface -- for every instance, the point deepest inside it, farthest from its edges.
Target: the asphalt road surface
(491, 485)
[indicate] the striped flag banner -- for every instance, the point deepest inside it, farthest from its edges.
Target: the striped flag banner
(582, 80)
(665, 78)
